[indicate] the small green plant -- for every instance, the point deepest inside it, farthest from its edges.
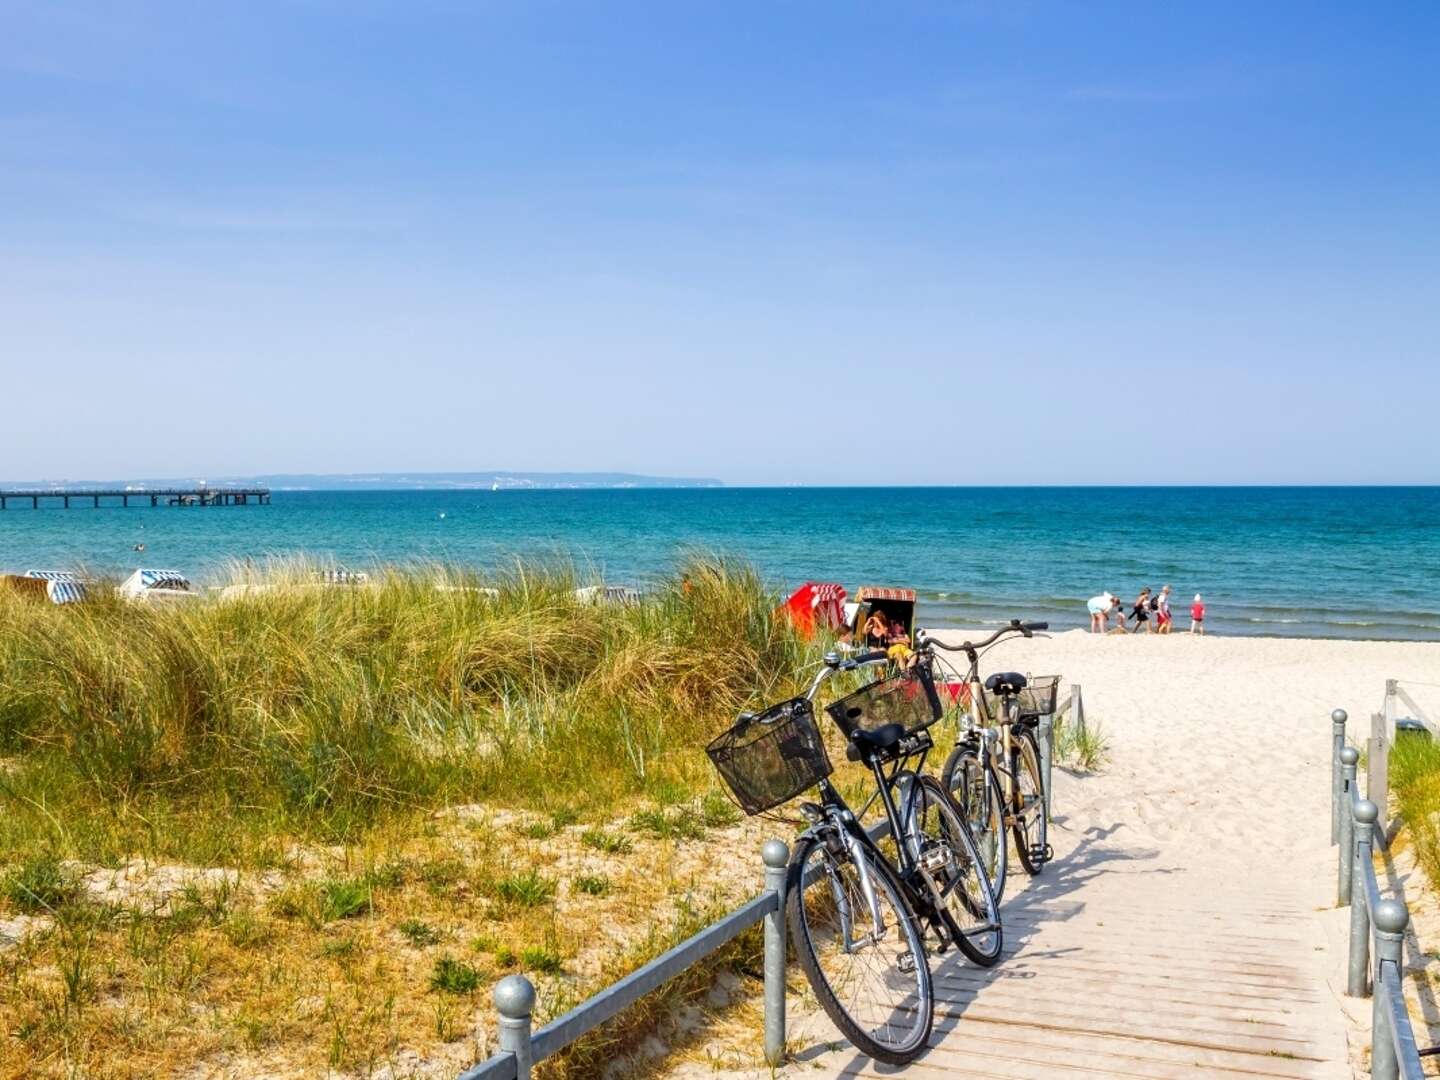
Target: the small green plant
(245, 930)
(592, 884)
(39, 884)
(527, 890)
(563, 818)
(419, 933)
(717, 811)
(339, 949)
(344, 898)
(607, 842)
(679, 823)
(505, 956)
(453, 976)
(1084, 747)
(536, 830)
(541, 960)
(441, 875)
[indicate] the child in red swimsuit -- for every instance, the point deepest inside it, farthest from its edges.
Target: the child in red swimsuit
(1197, 616)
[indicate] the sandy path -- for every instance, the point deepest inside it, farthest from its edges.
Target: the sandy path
(1182, 929)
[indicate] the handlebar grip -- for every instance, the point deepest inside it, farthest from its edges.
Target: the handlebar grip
(872, 657)
(1035, 626)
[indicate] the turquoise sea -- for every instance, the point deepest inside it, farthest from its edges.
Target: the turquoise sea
(1345, 562)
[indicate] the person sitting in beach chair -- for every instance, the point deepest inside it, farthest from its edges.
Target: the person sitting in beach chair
(881, 632)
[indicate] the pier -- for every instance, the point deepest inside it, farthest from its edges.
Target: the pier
(198, 496)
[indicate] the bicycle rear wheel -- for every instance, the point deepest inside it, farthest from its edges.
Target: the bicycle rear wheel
(976, 790)
(948, 862)
(1030, 827)
(866, 963)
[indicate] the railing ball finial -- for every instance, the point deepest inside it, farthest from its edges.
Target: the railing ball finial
(1339, 716)
(1349, 756)
(1390, 916)
(775, 854)
(514, 997)
(1366, 812)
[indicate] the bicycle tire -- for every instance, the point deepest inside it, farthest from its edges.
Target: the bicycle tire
(967, 902)
(820, 894)
(972, 783)
(1030, 828)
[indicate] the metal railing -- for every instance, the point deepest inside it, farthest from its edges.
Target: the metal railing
(514, 995)
(1377, 926)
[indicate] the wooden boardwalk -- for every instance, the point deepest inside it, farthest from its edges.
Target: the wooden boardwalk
(1123, 960)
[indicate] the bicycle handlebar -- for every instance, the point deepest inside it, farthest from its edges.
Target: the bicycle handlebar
(1016, 627)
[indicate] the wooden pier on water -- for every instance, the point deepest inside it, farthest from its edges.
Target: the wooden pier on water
(199, 496)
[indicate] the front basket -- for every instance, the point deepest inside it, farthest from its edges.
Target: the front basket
(769, 758)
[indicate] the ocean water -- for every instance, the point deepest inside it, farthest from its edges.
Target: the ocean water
(1343, 562)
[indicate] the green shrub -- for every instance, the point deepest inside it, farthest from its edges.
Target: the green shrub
(39, 884)
(454, 976)
(608, 842)
(419, 933)
(592, 884)
(527, 889)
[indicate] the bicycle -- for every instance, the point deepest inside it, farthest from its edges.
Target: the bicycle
(994, 773)
(860, 920)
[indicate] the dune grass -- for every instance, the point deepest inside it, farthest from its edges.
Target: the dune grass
(304, 743)
(1415, 781)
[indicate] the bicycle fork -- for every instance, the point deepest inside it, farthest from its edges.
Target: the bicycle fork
(860, 861)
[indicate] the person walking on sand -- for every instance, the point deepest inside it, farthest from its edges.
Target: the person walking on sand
(1197, 616)
(1141, 611)
(1099, 607)
(1164, 621)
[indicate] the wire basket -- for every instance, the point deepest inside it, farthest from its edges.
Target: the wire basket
(1038, 697)
(771, 757)
(908, 699)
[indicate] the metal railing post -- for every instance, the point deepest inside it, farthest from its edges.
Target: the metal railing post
(776, 857)
(1357, 981)
(1337, 739)
(1047, 757)
(515, 1001)
(1390, 919)
(1348, 757)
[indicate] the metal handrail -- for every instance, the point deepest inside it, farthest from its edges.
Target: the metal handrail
(515, 995)
(1377, 924)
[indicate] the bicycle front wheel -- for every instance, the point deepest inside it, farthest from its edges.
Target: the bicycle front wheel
(861, 948)
(1030, 828)
(948, 862)
(976, 791)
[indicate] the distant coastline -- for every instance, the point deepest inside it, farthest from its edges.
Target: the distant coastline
(500, 480)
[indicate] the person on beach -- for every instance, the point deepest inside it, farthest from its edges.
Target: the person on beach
(1197, 616)
(1140, 611)
(1100, 607)
(1163, 619)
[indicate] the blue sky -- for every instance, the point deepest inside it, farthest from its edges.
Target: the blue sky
(1009, 241)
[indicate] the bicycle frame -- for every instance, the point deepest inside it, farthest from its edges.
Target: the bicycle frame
(834, 812)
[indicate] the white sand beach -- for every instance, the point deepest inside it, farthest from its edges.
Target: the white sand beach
(1187, 926)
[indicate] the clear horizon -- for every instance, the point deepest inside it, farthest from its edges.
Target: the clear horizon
(981, 243)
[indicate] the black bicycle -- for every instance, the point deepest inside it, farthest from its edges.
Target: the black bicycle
(863, 921)
(994, 771)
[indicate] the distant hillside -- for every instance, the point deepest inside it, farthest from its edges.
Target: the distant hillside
(418, 481)
(466, 480)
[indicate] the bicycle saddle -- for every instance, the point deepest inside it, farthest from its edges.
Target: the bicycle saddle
(878, 739)
(1005, 682)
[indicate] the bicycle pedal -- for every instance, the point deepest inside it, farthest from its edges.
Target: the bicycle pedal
(1041, 854)
(906, 962)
